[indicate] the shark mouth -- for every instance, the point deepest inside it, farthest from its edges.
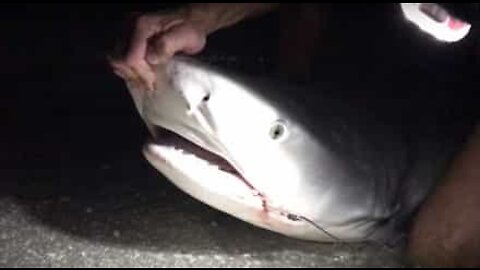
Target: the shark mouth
(171, 139)
(184, 147)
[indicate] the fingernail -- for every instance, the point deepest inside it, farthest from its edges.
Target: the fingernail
(119, 73)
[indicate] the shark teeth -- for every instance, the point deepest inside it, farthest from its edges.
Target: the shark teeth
(194, 158)
(189, 157)
(208, 174)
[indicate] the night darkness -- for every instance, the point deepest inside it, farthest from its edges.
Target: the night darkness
(75, 188)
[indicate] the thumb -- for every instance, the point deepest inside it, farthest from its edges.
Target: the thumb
(181, 38)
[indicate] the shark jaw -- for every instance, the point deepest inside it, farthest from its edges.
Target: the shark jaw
(212, 180)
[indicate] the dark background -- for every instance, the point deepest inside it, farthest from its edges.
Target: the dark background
(71, 138)
(63, 109)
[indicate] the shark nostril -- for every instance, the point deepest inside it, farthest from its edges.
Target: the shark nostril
(278, 131)
(206, 98)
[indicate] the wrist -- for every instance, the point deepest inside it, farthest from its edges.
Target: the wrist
(210, 17)
(203, 17)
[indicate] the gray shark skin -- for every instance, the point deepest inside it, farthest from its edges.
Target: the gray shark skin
(279, 156)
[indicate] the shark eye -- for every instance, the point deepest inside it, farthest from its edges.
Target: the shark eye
(278, 131)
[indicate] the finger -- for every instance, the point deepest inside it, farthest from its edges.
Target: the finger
(122, 70)
(183, 38)
(139, 76)
(146, 27)
(180, 38)
(155, 50)
(145, 75)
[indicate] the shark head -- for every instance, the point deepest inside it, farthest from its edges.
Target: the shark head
(247, 148)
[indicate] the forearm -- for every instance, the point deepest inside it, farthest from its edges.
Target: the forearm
(446, 232)
(215, 16)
